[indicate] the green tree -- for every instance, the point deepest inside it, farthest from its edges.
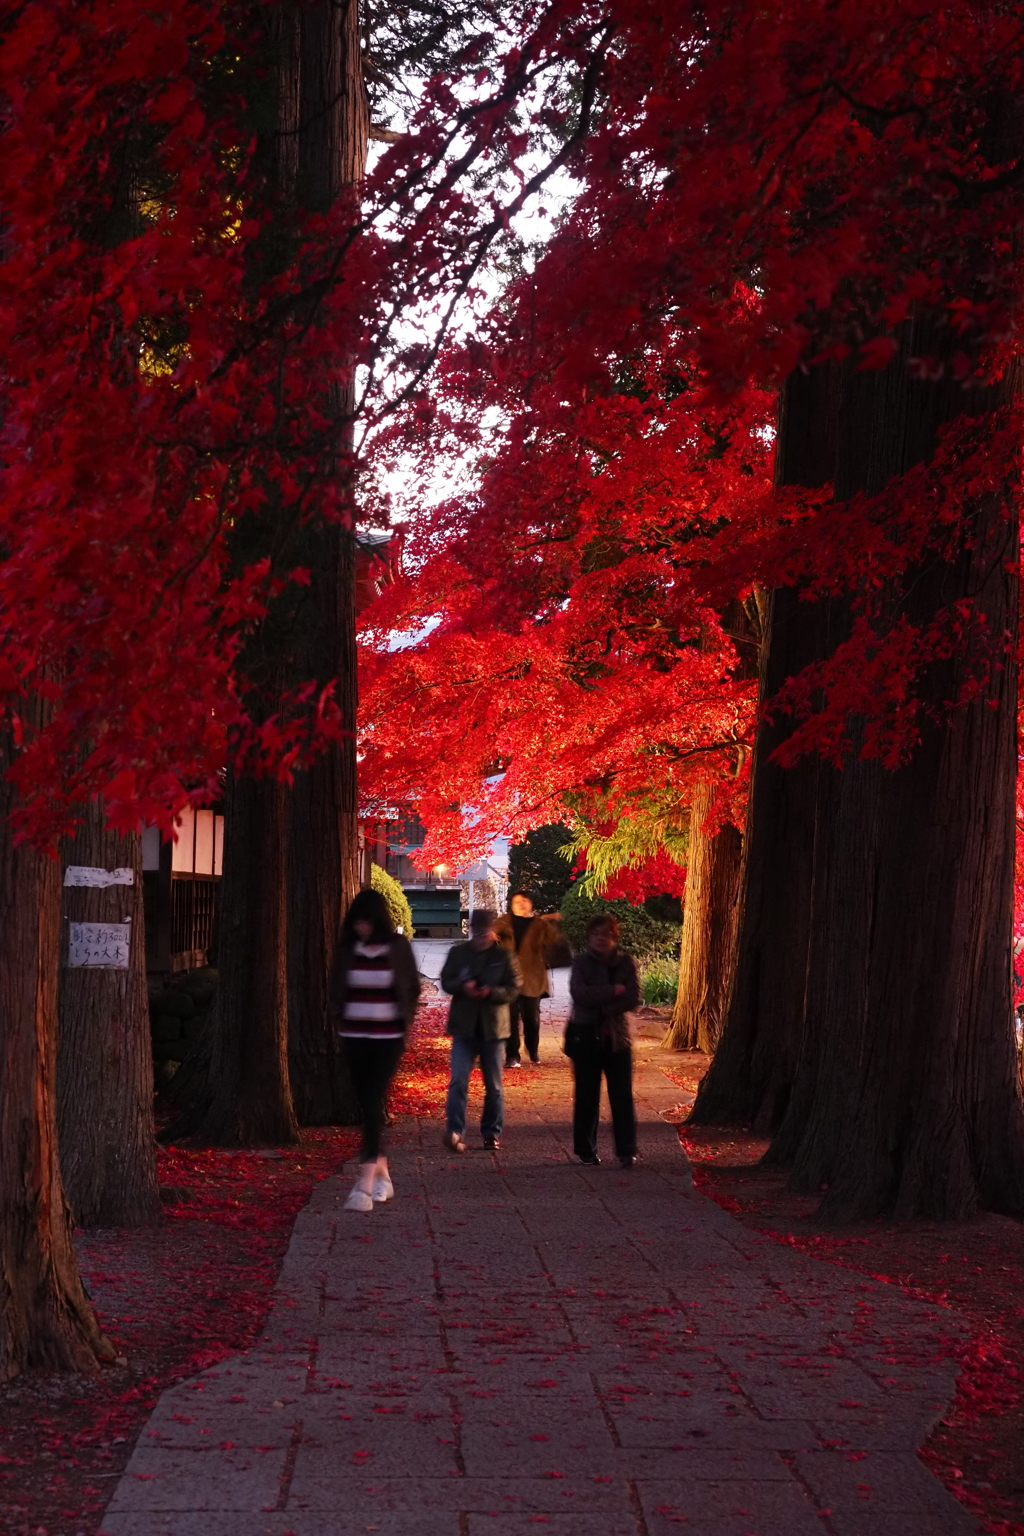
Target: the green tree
(643, 935)
(541, 865)
(632, 838)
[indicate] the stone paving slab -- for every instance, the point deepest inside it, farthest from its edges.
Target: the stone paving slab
(518, 1344)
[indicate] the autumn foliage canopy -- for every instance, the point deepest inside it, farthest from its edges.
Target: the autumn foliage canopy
(754, 189)
(168, 349)
(767, 189)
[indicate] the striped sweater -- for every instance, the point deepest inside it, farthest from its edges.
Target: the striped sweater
(371, 1009)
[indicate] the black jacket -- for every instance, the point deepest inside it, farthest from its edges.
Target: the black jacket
(599, 1016)
(492, 967)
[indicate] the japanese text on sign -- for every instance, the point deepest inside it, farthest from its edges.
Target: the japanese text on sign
(86, 874)
(100, 944)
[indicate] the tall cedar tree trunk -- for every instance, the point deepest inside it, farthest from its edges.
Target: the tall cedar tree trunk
(323, 834)
(709, 931)
(291, 853)
(907, 1093)
(45, 1320)
(104, 1061)
(243, 1097)
(751, 1077)
(104, 1058)
(248, 1100)
(894, 1080)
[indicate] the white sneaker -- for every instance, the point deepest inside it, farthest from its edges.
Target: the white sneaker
(383, 1189)
(359, 1200)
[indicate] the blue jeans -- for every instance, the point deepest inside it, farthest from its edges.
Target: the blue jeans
(464, 1053)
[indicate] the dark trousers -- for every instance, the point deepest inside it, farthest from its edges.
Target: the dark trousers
(616, 1067)
(371, 1066)
(527, 1009)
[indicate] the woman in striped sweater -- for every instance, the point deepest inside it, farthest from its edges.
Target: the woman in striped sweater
(375, 987)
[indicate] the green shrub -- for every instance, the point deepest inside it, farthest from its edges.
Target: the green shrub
(399, 909)
(659, 982)
(645, 937)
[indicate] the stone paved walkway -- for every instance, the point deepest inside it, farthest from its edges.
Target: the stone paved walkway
(518, 1343)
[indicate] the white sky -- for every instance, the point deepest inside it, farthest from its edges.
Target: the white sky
(533, 227)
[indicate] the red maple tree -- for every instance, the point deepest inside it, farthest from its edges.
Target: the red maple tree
(822, 202)
(170, 340)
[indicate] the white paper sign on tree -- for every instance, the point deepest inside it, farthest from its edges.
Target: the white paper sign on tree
(86, 874)
(104, 945)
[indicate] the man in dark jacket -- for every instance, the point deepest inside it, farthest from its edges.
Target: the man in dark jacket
(482, 979)
(604, 989)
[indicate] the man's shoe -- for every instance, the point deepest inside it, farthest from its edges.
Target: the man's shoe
(491, 1144)
(591, 1160)
(515, 1062)
(535, 1060)
(359, 1200)
(383, 1189)
(629, 1161)
(453, 1141)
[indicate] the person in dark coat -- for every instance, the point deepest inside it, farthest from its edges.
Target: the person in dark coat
(483, 980)
(375, 987)
(529, 935)
(604, 988)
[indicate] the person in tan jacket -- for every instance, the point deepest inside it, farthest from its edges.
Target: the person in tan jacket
(529, 935)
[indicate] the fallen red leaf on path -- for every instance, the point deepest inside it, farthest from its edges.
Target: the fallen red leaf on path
(975, 1268)
(175, 1299)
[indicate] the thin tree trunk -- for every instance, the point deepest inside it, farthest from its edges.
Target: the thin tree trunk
(751, 1077)
(248, 1100)
(323, 832)
(45, 1320)
(104, 1061)
(709, 931)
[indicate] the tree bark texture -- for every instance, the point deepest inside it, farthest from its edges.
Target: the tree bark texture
(46, 1321)
(750, 1079)
(248, 1100)
(277, 942)
(709, 931)
(104, 1061)
(323, 829)
(897, 1080)
(907, 1094)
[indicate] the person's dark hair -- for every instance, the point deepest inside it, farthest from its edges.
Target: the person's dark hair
(368, 907)
(482, 919)
(513, 894)
(604, 920)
